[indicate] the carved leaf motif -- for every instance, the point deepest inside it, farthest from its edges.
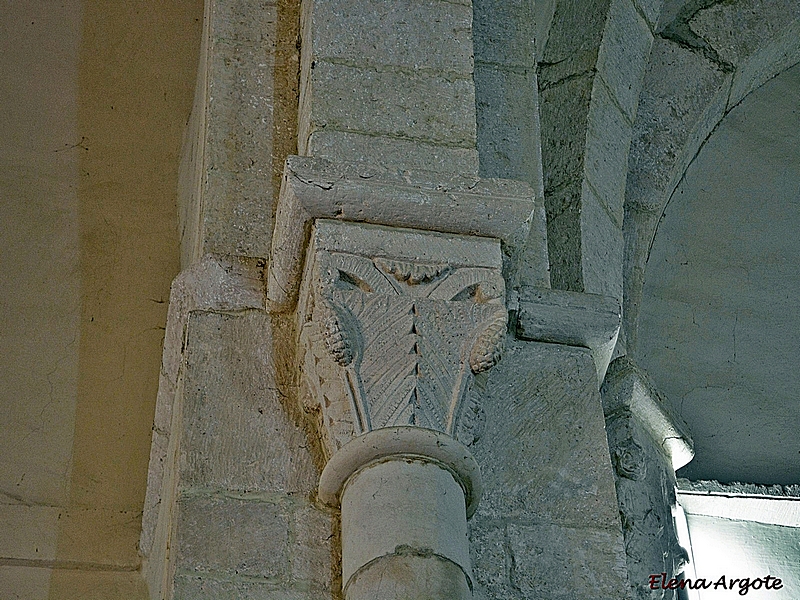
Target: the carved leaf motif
(488, 348)
(411, 273)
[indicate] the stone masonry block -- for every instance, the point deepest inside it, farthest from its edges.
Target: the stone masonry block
(490, 559)
(602, 248)
(573, 40)
(781, 53)
(237, 208)
(508, 123)
(244, 20)
(504, 33)
(563, 237)
(608, 141)
(736, 30)
(551, 562)
(206, 587)
(415, 34)
(549, 462)
(231, 536)
(565, 111)
(419, 106)
(394, 153)
(624, 53)
(669, 108)
(650, 9)
(312, 540)
(237, 434)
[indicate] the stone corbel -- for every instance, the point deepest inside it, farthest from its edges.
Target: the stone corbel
(398, 285)
(573, 319)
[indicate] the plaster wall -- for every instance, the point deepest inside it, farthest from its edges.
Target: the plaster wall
(94, 99)
(737, 548)
(720, 303)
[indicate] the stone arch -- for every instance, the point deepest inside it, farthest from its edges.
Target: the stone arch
(719, 302)
(699, 70)
(590, 72)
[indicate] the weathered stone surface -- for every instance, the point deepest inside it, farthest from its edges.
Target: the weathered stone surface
(564, 237)
(553, 562)
(623, 55)
(602, 248)
(517, 561)
(226, 202)
(735, 31)
(608, 139)
(312, 547)
(543, 13)
(490, 559)
(573, 40)
(400, 73)
(233, 536)
(236, 433)
(428, 35)
(650, 10)
(508, 124)
(503, 31)
(415, 105)
(669, 109)
(255, 544)
(208, 587)
(565, 111)
(395, 153)
(554, 445)
(560, 317)
(779, 54)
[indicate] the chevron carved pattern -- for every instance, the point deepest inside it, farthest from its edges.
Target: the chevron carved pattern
(402, 339)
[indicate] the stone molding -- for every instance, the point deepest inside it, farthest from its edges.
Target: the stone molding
(397, 443)
(647, 444)
(628, 389)
(573, 319)
(317, 188)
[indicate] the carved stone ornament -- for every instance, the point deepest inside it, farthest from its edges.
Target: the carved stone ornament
(628, 459)
(394, 324)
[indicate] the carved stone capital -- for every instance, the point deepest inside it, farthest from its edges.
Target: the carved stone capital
(394, 324)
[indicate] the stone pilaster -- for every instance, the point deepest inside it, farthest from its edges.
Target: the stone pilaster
(648, 444)
(394, 323)
(389, 83)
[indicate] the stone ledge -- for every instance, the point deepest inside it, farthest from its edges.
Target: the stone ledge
(572, 319)
(316, 188)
